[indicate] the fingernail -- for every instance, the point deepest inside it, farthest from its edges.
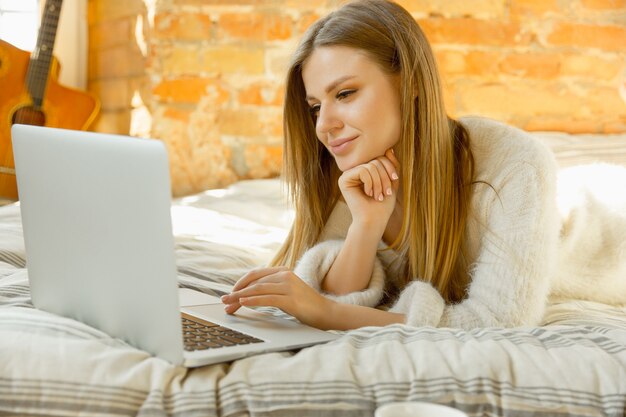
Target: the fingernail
(394, 176)
(392, 151)
(389, 192)
(381, 197)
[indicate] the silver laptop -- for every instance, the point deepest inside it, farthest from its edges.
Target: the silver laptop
(99, 247)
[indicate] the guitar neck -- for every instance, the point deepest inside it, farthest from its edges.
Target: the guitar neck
(41, 58)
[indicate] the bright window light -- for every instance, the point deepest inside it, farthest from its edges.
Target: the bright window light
(19, 22)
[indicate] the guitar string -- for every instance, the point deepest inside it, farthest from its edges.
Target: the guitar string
(43, 54)
(38, 76)
(43, 57)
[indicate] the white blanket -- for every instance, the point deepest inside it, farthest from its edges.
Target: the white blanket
(573, 365)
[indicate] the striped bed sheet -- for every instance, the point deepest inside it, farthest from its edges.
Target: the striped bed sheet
(574, 364)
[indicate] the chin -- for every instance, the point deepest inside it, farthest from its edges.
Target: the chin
(349, 162)
(345, 165)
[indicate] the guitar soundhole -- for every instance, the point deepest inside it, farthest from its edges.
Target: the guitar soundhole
(28, 115)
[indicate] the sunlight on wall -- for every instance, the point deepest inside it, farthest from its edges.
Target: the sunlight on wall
(140, 117)
(139, 36)
(150, 9)
(622, 87)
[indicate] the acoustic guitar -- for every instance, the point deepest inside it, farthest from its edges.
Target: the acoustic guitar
(30, 94)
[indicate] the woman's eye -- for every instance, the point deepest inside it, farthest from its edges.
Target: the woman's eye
(314, 110)
(344, 94)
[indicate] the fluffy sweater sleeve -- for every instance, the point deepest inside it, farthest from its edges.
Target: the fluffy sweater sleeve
(316, 262)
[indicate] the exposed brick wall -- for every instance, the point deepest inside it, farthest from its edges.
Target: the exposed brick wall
(206, 76)
(117, 67)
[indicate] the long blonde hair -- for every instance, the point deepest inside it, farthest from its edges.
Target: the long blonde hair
(433, 150)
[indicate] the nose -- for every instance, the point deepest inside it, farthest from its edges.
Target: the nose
(328, 119)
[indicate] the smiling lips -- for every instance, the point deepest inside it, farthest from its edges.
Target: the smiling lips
(340, 146)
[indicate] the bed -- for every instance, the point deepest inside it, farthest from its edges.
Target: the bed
(573, 364)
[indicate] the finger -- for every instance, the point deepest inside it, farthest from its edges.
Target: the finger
(257, 289)
(232, 308)
(391, 165)
(267, 285)
(390, 172)
(272, 300)
(365, 178)
(256, 274)
(378, 191)
(391, 155)
(384, 178)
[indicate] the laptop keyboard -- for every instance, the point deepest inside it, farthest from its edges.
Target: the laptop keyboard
(200, 334)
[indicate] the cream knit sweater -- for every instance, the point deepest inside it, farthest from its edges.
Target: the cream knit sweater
(512, 240)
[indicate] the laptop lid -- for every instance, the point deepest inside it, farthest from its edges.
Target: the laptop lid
(97, 230)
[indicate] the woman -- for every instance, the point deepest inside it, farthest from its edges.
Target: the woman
(434, 221)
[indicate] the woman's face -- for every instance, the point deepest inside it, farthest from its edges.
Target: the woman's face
(355, 105)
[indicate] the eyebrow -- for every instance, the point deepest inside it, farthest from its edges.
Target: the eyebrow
(333, 85)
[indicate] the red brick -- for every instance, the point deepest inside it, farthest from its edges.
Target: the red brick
(533, 7)
(118, 61)
(188, 90)
(182, 26)
(271, 121)
(451, 62)
(109, 10)
(542, 66)
(611, 38)
(212, 59)
(449, 97)
(482, 63)
(483, 9)
(617, 126)
(263, 161)
(414, 6)
(562, 124)
(301, 4)
(304, 21)
(116, 121)
(278, 60)
(261, 94)
(591, 67)
(519, 98)
(468, 63)
(255, 26)
(603, 101)
(239, 122)
(114, 94)
(474, 32)
(618, 5)
(111, 33)
(179, 114)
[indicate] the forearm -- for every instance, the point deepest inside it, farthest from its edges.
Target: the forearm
(341, 316)
(352, 269)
